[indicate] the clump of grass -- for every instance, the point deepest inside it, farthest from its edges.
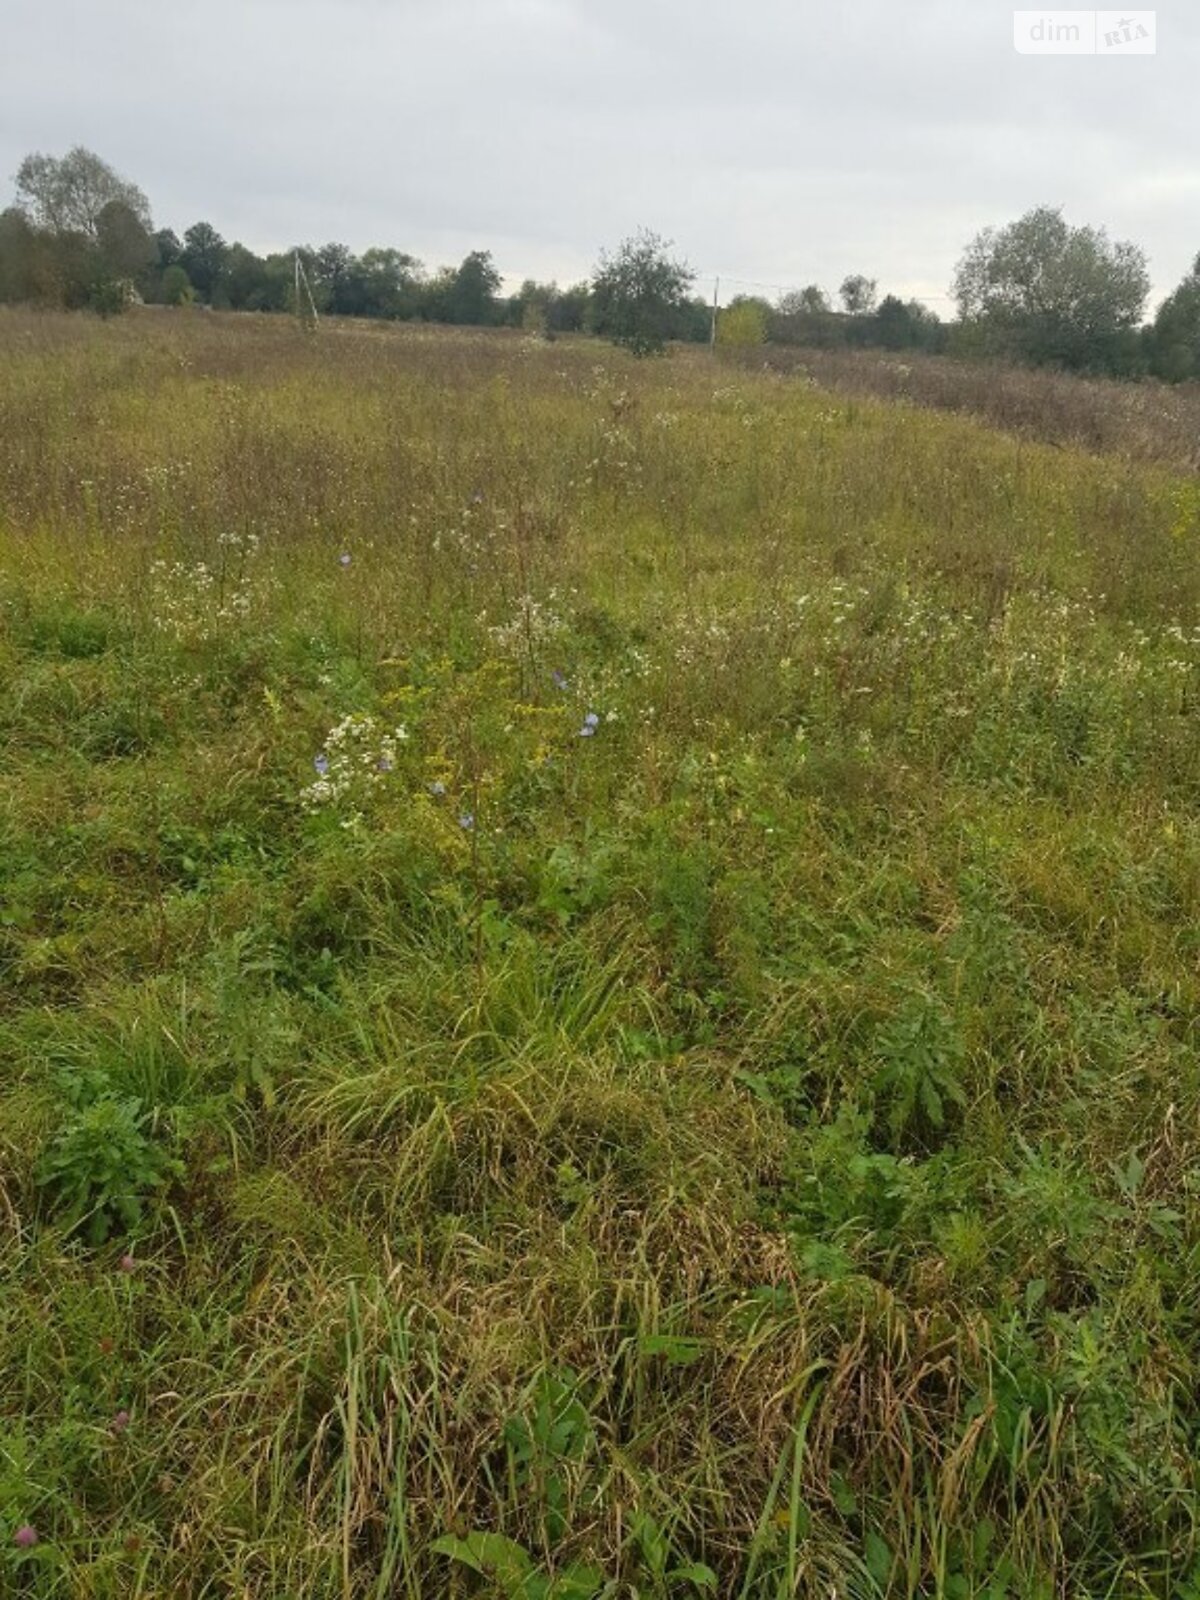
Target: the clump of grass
(600, 994)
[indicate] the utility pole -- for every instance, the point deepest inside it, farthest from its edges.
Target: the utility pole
(712, 337)
(309, 320)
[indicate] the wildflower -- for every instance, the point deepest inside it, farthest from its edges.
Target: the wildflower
(438, 789)
(127, 1264)
(384, 764)
(344, 559)
(591, 720)
(321, 763)
(559, 680)
(587, 731)
(119, 1423)
(532, 622)
(26, 1536)
(467, 821)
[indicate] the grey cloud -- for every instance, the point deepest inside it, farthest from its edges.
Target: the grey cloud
(775, 142)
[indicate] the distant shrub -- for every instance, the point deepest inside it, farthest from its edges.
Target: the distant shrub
(177, 287)
(743, 324)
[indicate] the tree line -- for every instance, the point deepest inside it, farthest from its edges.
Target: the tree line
(79, 235)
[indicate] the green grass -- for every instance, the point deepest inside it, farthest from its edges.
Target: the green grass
(750, 1148)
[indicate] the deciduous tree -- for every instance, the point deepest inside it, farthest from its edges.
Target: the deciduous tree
(743, 323)
(639, 293)
(1049, 292)
(204, 257)
(68, 194)
(858, 295)
(1176, 335)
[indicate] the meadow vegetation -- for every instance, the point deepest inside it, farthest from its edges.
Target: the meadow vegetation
(1143, 422)
(598, 980)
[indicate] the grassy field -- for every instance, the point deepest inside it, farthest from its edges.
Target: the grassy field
(598, 981)
(1148, 422)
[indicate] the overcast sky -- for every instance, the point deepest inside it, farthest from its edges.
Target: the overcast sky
(777, 142)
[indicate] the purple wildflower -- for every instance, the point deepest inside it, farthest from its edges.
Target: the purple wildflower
(127, 1264)
(587, 731)
(120, 1422)
(321, 763)
(26, 1536)
(592, 720)
(385, 764)
(467, 820)
(559, 680)
(437, 788)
